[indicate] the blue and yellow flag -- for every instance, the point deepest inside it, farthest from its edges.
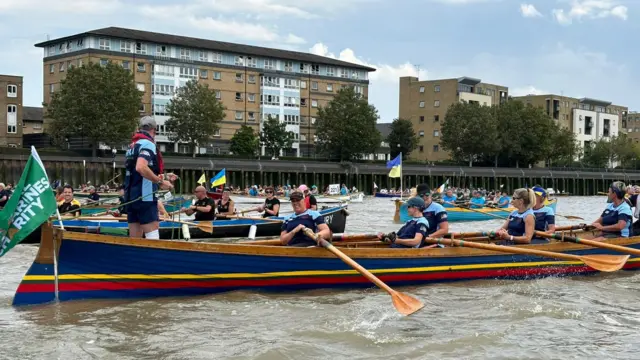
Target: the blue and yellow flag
(396, 167)
(219, 179)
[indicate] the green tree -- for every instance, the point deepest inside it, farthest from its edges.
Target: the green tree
(245, 141)
(402, 138)
(564, 147)
(346, 127)
(100, 103)
(469, 132)
(597, 154)
(275, 137)
(623, 150)
(194, 113)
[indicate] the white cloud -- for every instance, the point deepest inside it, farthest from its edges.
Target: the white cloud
(526, 90)
(103, 7)
(464, 2)
(295, 40)
(528, 10)
(590, 9)
(383, 91)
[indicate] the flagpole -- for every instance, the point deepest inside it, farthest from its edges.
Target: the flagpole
(401, 191)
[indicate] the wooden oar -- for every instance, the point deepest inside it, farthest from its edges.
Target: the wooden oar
(605, 263)
(250, 218)
(492, 233)
(204, 226)
(405, 304)
(95, 218)
(598, 244)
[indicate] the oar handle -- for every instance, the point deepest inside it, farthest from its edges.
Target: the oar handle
(349, 237)
(598, 244)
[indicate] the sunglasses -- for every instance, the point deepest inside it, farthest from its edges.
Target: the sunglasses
(517, 198)
(268, 192)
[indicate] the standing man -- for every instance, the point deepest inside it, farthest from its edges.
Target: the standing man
(204, 208)
(144, 175)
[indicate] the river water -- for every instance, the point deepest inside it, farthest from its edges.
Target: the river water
(594, 317)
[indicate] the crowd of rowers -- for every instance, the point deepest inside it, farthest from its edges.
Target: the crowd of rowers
(285, 190)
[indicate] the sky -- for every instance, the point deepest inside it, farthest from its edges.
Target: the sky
(577, 48)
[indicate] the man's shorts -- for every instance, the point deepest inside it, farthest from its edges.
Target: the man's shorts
(142, 212)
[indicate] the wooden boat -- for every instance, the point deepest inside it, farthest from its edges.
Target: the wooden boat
(335, 217)
(463, 214)
(381, 195)
(93, 266)
(84, 195)
(171, 206)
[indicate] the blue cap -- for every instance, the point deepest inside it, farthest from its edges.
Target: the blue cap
(538, 190)
(416, 202)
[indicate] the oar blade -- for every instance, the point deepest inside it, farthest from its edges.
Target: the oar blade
(605, 263)
(206, 227)
(571, 217)
(406, 304)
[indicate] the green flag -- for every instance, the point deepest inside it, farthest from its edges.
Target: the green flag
(30, 205)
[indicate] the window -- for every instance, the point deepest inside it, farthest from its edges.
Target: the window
(61, 67)
(313, 121)
(421, 104)
(142, 67)
(52, 88)
(12, 91)
(185, 54)
(303, 137)
(216, 58)
(239, 96)
(239, 115)
(52, 50)
(270, 100)
(331, 71)
(204, 73)
(217, 75)
(314, 103)
(421, 148)
(436, 118)
(315, 138)
(161, 51)
(290, 101)
(292, 119)
(140, 87)
(290, 83)
(69, 64)
(436, 132)
(239, 61)
(239, 77)
(104, 44)
(126, 46)
(314, 85)
(12, 119)
(218, 94)
(103, 62)
(344, 73)
(354, 74)
(315, 69)
(303, 102)
(160, 110)
(126, 65)
(202, 55)
(436, 148)
(142, 108)
(251, 97)
(36, 126)
(251, 116)
(252, 79)
(141, 48)
(421, 118)
(270, 64)
(288, 66)
(165, 70)
(421, 89)
(188, 73)
(52, 68)
(304, 68)
(270, 81)
(303, 84)
(329, 87)
(421, 133)
(216, 132)
(436, 103)
(436, 88)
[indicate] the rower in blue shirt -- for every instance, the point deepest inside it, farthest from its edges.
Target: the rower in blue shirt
(616, 218)
(477, 201)
(413, 232)
(520, 226)
(292, 228)
(434, 213)
(449, 198)
(545, 217)
(503, 201)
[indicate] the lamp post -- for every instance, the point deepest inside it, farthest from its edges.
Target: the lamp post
(114, 151)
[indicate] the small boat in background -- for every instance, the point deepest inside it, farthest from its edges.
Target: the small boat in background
(172, 205)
